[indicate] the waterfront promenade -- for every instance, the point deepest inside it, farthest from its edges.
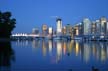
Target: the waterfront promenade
(60, 37)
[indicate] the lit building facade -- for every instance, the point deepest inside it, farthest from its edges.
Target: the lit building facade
(86, 26)
(78, 29)
(103, 21)
(59, 26)
(44, 30)
(93, 28)
(64, 30)
(35, 31)
(98, 27)
(68, 29)
(50, 30)
(107, 29)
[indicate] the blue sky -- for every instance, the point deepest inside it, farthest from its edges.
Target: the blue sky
(34, 13)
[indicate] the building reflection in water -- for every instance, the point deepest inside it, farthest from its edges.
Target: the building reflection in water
(87, 50)
(107, 49)
(6, 55)
(36, 43)
(69, 48)
(103, 52)
(44, 47)
(58, 49)
(22, 43)
(64, 48)
(50, 44)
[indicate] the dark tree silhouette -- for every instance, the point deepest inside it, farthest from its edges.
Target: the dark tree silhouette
(6, 54)
(7, 24)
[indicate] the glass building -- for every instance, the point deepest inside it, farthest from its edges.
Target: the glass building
(86, 26)
(59, 26)
(98, 27)
(68, 29)
(103, 21)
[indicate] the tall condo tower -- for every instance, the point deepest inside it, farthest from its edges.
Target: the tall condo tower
(86, 26)
(59, 26)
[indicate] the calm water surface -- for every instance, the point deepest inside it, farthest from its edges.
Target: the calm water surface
(56, 55)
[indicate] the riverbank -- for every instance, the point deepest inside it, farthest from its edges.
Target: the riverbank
(5, 39)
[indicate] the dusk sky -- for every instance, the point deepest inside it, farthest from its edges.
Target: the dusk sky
(33, 13)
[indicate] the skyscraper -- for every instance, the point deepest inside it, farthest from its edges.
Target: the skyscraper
(50, 30)
(86, 26)
(59, 26)
(107, 29)
(78, 29)
(98, 27)
(68, 29)
(103, 21)
(44, 30)
(93, 28)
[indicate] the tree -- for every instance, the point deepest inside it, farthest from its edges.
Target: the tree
(7, 24)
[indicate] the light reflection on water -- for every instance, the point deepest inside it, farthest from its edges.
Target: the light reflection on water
(99, 50)
(59, 54)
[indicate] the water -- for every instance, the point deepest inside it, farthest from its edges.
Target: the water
(56, 55)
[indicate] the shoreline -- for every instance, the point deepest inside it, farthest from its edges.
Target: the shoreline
(5, 39)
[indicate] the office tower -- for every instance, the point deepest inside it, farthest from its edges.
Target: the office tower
(103, 22)
(44, 30)
(86, 26)
(50, 30)
(59, 26)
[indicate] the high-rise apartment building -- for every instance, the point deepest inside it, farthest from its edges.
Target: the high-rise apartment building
(86, 26)
(107, 29)
(98, 27)
(68, 29)
(78, 29)
(93, 28)
(103, 22)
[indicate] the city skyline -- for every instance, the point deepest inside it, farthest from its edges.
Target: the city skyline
(84, 30)
(36, 13)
